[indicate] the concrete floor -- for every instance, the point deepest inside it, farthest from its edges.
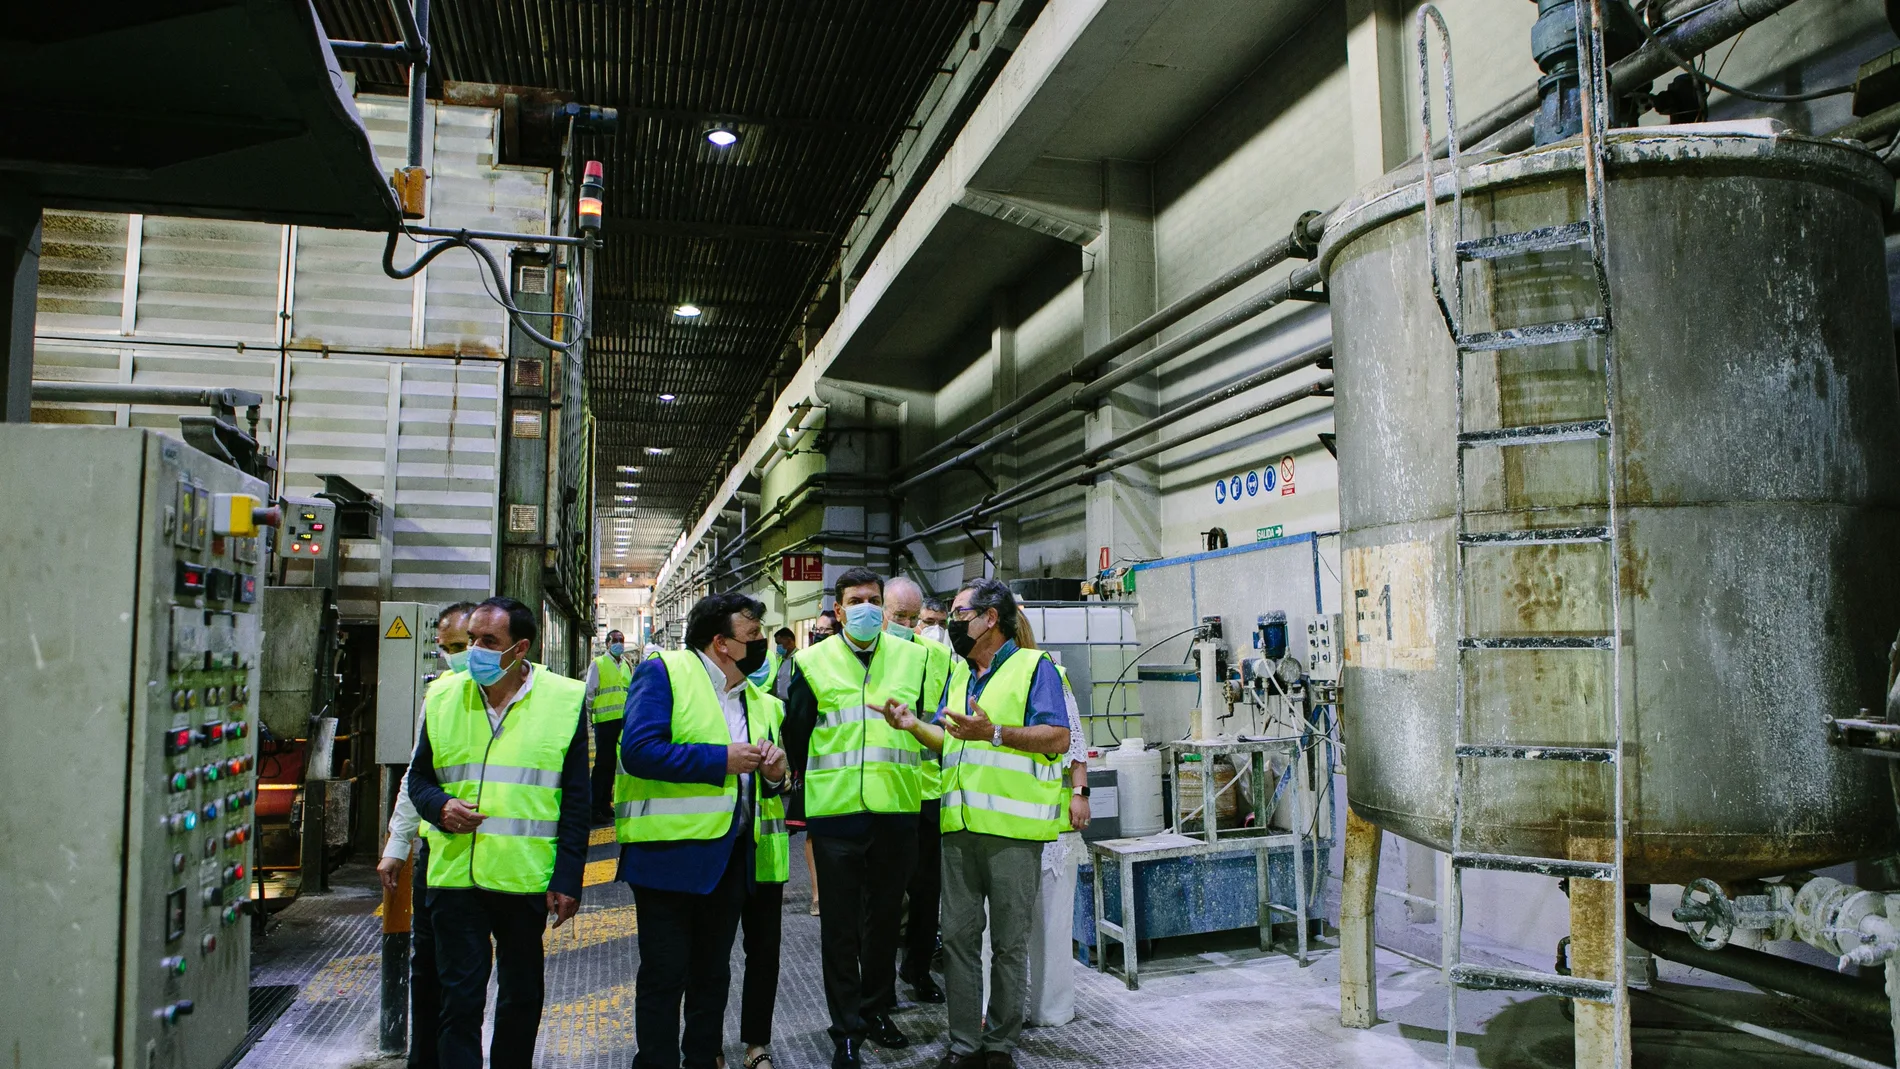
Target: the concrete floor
(1207, 1003)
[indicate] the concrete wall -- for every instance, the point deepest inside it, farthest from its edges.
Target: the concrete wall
(1323, 111)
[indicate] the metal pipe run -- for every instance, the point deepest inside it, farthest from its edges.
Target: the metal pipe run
(1303, 242)
(370, 50)
(1766, 971)
(1022, 494)
(415, 30)
(1278, 293)
(125, 393)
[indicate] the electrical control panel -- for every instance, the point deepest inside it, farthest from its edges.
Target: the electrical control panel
(405, 659)
(309, 530)
(128, 780)
(1322, 646)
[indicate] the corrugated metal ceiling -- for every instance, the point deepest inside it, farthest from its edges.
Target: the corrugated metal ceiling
(819, 91)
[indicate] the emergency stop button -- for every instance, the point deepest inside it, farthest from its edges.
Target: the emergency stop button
(235, 514)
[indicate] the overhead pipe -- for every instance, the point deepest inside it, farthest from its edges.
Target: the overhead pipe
(1040, 481)
(1023, 494)
(1298, 281)
(1303, 241)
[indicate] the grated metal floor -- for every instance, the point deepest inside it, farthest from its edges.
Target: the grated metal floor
(1206, 1005)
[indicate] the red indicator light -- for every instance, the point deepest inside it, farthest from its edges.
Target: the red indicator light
(315, 549)
(296, 547)
(316, 527)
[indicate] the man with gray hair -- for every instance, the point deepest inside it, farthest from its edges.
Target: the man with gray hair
(903, 603)
(1002, 729)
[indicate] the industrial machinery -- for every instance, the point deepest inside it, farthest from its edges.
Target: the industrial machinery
(1756, 586)
(134, 563)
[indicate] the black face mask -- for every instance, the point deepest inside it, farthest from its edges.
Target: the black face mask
(754, 656)
(960, 639)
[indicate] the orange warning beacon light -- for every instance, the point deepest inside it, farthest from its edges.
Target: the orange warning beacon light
(591, 188)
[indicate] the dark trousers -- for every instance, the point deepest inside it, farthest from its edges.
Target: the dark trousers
(926, 893)
(425, 989)
(863, 877)
(465, 921)
(686, 955)
(763, 917)
(606, 759)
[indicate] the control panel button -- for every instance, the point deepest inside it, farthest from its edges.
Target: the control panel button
(181, 781)
(211, 847)
(174, 965)
(178, 740)
(170, 1014)
(178, 862)
(210, 773)
(211, 811)
(191, 819)
(209, 943)
(213, 730)
(189, 579)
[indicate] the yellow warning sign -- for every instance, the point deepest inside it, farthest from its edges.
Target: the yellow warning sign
(398, 629)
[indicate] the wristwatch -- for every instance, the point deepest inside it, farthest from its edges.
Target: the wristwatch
(1080, 792)
(996, 737)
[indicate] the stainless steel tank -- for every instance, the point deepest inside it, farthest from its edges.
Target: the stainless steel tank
(1759, 429)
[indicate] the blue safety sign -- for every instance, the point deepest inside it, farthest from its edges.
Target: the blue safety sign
(1253, 483)
(1267, 476)
(1233, 488)
(1220, 491)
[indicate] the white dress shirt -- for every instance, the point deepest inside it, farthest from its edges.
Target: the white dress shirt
(732, 704)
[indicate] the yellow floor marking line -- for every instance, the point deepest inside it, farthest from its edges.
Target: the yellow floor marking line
(594, 1021)
(358, 976)
(603, 836)
(592, 929)
(599, 872)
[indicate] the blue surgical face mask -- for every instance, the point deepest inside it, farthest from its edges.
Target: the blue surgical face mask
(618, 649)
(863, 620)
(485, 665)
(760, 674)
(458, 662)
(897, 630)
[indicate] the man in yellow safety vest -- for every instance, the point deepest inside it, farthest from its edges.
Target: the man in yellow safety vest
(699, 811)
(607, 681)
(903, 604)
(1002, 730)
(500, 775)
(862, 791)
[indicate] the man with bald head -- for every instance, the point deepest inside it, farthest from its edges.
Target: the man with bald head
(903, 607)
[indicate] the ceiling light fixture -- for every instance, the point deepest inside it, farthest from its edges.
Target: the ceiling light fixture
(687, 311)
(629, 486)
(722, 136)
(626, 497)
(669, 397)
(656, 451)
(631, 469)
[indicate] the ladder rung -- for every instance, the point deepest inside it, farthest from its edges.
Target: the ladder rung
(1539, 642)
(1484, 978)
(1535, 334)
(1537, 434)
(1545, 536)
(1560, 867)
(1542, 239)
(1519, 752)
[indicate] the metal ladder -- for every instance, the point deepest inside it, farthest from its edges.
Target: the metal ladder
(1588, 233)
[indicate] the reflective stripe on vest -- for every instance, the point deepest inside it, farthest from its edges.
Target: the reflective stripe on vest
(513, 776)
(611, 682)
(936, 677)
(993, 789)
(662, 811)
(858, 763)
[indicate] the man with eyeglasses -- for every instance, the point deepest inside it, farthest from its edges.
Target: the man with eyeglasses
(1002, 728)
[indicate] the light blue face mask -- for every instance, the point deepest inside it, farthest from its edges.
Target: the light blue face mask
(863, 620)
(618, 649)
(485, 665)
(760, 674)
(897, 630)
(458, 662)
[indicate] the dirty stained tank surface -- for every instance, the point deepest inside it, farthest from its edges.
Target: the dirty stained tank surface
(1758, 427)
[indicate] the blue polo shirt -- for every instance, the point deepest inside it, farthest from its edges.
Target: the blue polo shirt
(1046, 706)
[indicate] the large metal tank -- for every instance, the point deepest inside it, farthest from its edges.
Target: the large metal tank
(1759, 429)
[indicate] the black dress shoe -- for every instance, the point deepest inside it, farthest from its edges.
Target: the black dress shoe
(881, 1030)
(847, 1056)
(961, 1061)
(926, 989)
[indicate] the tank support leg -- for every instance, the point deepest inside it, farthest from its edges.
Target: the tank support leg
(1603, 1032)
(1358, 894)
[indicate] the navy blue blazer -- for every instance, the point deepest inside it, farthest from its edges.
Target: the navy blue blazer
(647, 750)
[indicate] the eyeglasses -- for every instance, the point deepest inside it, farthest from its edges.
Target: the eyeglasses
(966, 614)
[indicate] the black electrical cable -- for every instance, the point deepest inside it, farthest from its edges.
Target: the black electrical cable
(433, 249)
(1732, 90)
(1123, 678)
